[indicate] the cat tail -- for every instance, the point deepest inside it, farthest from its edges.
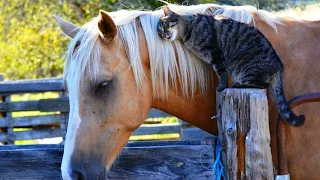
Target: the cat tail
(277, 94)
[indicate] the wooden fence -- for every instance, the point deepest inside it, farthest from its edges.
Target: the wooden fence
(55, 125)
(139, 160)
(243, 133)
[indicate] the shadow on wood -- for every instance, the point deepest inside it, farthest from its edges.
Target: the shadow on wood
(139, 160)
(244, 133)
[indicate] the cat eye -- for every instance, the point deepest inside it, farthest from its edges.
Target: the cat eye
(173, 23)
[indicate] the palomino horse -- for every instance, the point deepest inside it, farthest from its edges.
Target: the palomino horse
(117, 68)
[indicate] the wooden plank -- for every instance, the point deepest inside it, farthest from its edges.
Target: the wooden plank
(258, 151)
(52, 105)
(155, 113)
(155, 162)
(31, 120)
(157, 129)
(37, 85)
(244, 133)
(3, 114)
(164, 162)
(193, 133)
(32, 134)
(64, 119)
(56, 132)
(19, 106)
(8, 117)
(206, 141)
(43, 105)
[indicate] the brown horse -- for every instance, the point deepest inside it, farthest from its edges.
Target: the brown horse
(118, 68)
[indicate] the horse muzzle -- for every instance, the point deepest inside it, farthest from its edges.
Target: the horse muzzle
(86, 169)
(80, 175)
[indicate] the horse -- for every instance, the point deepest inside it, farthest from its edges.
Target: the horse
(117, 69)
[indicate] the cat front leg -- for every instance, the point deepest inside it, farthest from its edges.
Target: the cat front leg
(222, 76)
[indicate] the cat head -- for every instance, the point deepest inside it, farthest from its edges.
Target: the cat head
(168, 25)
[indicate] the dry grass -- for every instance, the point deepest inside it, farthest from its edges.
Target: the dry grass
(309, 12)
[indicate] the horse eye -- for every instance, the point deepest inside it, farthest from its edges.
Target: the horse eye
(103, 85)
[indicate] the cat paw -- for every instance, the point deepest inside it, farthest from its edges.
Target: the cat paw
(221, 87)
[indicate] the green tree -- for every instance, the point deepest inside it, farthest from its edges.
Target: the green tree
(31, 43)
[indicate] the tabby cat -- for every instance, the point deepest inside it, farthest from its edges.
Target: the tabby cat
(231, 47)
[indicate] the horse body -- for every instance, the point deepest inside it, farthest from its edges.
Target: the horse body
(102, 119)
(298, 45)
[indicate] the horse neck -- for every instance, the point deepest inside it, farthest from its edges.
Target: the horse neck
(197, 110)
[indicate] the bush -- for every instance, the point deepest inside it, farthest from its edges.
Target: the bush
(32, 45)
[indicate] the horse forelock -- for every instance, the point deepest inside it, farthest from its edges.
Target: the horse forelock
(170, 62)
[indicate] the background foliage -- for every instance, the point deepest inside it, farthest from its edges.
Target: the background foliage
(32, 45)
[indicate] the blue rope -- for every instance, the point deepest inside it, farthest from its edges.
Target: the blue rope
(218, 166)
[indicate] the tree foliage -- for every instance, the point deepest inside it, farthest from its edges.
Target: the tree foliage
(32, 45)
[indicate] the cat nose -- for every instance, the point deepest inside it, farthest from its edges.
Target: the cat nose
(168, 34)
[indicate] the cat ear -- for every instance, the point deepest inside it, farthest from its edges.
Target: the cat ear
(167, 11)
(107, 27)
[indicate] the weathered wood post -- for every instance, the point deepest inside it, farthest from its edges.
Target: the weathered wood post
(65, 118)
(7, 116)
(244, 134)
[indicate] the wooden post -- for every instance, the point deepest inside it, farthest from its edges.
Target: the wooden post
(65, 118)
(7, 115)
(244, 133)
(2, 99)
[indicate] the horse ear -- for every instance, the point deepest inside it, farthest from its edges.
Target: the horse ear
(107, 26)
(67, 27)
(167, 11)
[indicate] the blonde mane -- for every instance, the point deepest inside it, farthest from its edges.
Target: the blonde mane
(170, 63)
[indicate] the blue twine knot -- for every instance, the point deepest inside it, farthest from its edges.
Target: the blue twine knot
(218, 166)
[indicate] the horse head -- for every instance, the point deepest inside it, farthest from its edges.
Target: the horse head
(106, 105)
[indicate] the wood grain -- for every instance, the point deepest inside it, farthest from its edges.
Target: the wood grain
(166, 161)
(244, 133)
(38, 85)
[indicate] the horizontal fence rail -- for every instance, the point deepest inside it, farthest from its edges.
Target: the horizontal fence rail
(25, 86)
(138, 160)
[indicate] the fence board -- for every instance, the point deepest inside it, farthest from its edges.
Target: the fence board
(32, 134)
(30, 121)
(52, 105)
(205, 141)
(138, 162)
(24, 86)
(157, 129)
(19, 106)
(56, 132)
(193, 133)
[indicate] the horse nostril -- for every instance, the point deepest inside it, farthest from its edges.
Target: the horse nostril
(76, 175)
